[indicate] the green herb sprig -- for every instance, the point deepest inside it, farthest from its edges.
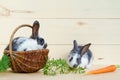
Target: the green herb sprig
(60, 66)
(4, 63)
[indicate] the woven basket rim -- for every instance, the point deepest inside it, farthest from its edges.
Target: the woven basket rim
(7, 51)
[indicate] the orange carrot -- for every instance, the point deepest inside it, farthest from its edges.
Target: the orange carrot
(110, 68)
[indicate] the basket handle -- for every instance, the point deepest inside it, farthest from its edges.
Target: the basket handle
(11, 38)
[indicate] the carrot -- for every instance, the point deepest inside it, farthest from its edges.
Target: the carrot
(110, 68)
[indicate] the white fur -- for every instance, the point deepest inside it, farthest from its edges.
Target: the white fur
(28, 44)
(73, 62)
(84, 61)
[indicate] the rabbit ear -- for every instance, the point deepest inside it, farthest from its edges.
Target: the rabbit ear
(75, 45)
(35, 30)
(85, 48)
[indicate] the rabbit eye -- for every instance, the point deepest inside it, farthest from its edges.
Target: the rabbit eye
(70, 59)
(40, 41)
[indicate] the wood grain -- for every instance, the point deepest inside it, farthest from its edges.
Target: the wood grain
(64, 31)
(63, 8)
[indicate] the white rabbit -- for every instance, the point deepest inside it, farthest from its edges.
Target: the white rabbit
(80, 56)
(33, 43)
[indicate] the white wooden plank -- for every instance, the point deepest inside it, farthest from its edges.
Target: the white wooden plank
(62, 8)
(64, 31)
(2, 47)
(103, 54)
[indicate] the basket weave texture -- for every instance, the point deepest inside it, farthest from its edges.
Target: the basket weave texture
(26, 61)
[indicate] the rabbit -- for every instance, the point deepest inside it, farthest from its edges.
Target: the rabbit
(80, 56)
(34, 42)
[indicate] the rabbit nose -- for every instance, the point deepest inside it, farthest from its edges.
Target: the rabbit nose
(45, 46)
(75, 65)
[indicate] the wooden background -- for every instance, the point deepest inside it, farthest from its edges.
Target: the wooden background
(62, 21)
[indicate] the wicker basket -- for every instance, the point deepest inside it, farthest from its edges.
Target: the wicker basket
(26, 61)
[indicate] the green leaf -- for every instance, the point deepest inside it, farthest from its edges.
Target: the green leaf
(4, 63)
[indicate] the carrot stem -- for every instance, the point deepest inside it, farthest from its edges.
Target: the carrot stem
(118, 66)
(110, 68)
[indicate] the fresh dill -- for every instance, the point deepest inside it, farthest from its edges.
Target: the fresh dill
(60, 66)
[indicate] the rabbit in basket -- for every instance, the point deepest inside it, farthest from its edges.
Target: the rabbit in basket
(80, 56)
(33, 43)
